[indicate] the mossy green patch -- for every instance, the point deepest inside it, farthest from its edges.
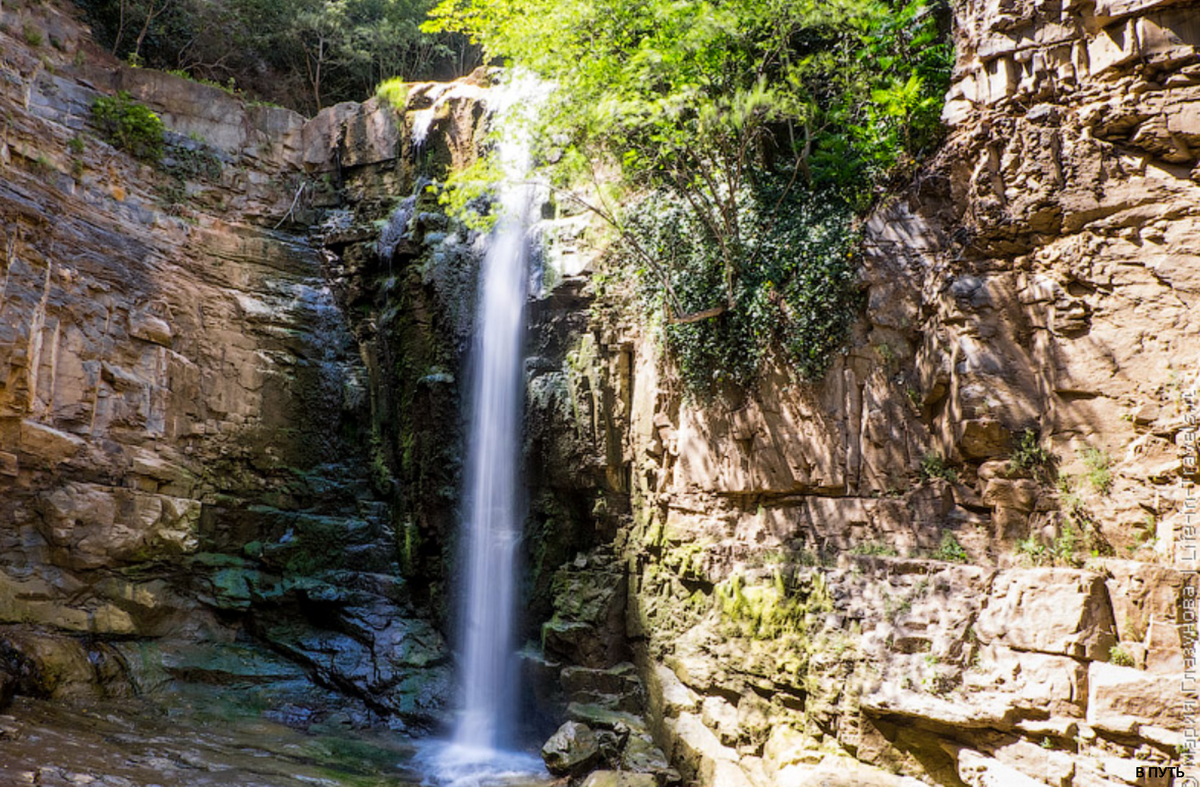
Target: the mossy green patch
(768, 611)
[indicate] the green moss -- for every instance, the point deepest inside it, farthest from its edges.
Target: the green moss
(394, 91)
(770, 610)
(686, 560)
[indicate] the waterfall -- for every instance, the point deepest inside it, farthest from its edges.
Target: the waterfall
(493, 520)
(479, 752)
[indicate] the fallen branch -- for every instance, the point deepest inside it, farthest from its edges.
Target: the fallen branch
(697, 316)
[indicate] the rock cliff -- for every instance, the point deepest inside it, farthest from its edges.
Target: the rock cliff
(962, 556)
(185, 464)
(229, 429)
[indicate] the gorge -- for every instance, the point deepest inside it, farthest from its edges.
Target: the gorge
(232, 449)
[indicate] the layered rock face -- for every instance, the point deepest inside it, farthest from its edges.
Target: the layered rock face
(184, 440)
(962, 555)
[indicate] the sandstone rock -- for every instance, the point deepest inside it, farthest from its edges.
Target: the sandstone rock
(571, 749)
(1059, 611)
(698, 753)
(150, 328)
(1020, 495)
(1056, 768)
(1124, 699)
(983, 438)
(834, 771)
(978, 770)
(46, 445)
(54, 667)
(1034, 684)
(619, 779)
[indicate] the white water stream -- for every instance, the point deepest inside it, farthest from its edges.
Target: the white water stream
(480, 750)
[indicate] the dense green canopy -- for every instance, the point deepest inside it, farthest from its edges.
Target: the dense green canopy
(302, 53)
(741, 135)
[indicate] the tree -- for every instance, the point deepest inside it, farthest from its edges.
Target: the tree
(718, 104)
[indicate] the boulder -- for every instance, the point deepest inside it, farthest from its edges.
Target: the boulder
(979, 770)
(571, 750)
(1124, 700)
(1050, 610)
(619, 779)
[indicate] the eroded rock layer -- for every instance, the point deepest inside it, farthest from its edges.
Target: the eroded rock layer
(185, 466)
(961, 556)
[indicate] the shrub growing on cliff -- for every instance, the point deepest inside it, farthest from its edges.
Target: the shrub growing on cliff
(129, 125)
(736, 117)
(795, 291)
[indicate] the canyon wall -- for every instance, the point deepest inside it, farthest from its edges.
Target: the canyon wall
(229, 424)
(186, 484)
(962, 555)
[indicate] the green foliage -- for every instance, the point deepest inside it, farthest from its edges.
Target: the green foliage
(76, 145)
(129, 125)
(697, 95)
(1121, 657)
(394, 91)
(753, 131)
(933, 465)
(1028, 454)
(950, 549)
(1098, 473)
(467, 193)
(1063, 551)
(300, 53)
(1032, 550)
(33, 36)
(876, 548)
(190, 163)
(796, 292)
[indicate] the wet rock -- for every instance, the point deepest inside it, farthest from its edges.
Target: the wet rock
(600, 717)
(588, 626)
(571, 749)
(642, 756)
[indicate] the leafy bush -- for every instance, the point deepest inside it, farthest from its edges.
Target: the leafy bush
(1061, 552)
(796, 291)
(933, 465)
(1098, 473)
(1033, 550)
(129, 125)
(1121, 657)
(950, 550)
(1028, 454)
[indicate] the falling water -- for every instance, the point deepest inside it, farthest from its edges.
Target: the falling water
(492, 509)
(492, 520)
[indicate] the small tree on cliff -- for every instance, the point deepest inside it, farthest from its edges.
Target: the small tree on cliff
(732, 108)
